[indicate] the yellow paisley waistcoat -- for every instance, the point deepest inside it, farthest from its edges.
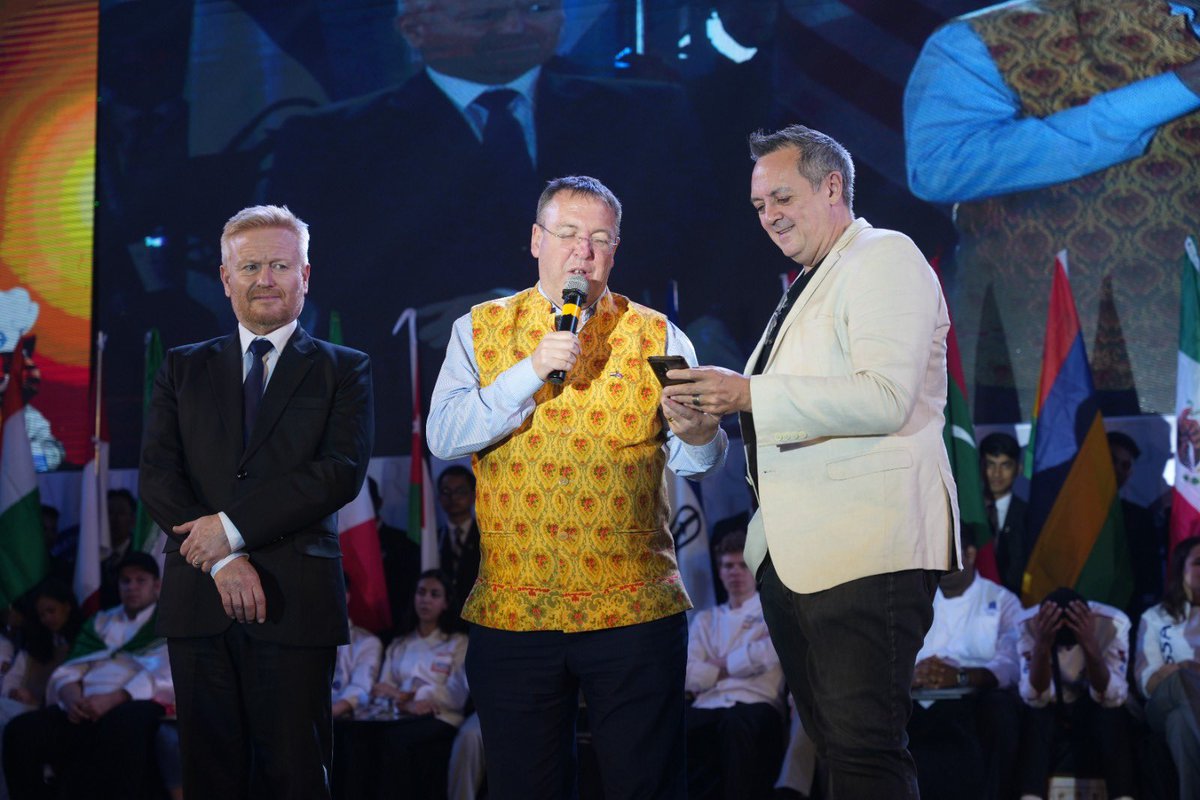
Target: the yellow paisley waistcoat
(572, 506)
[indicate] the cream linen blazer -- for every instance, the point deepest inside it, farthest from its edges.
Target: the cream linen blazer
(853, 474)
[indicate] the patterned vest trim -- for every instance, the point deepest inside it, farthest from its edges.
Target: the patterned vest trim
(572, 505)
(1126, 223)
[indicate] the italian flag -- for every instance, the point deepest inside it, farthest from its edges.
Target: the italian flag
(23, 559)
(1185, 506)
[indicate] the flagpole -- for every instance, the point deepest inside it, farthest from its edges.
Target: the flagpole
(101, 340)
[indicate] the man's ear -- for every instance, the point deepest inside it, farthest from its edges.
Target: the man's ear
(409, 26)
(836, 187)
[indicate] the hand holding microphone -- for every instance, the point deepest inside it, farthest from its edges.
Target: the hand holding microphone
(558, 353)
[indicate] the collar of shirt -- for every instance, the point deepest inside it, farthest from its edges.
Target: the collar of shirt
(278, 338)
(463, 93)
(1002, 509)
(556, 308)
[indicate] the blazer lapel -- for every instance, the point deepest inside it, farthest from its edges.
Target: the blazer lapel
(294, 363)
(225, 375)
(827, 268)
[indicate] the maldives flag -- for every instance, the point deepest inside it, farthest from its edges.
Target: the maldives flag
(1074, 509)
(23, 558)
(959, 435)
(1185, 506)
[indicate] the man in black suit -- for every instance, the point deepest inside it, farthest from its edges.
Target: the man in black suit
(1001, 457)
(458, 540)
(435, 179)
(248, 480)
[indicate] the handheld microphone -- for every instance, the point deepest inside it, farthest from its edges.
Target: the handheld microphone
(574, 292)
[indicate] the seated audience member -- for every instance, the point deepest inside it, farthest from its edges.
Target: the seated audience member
(48, 631)
(1074, 660)
(354, 675)
(1167, 671)
(458, 540)
(967, 746)
(1006, 512)
(735, 724)
(356, 669)
(422, 681)
(1145, 535)
(104, 703)
(468, 769)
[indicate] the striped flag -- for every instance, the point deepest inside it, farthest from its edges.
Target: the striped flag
(362, 558)
(1074, 509)
(959, 434)
(95, 541)
(422, 514)
(147, 536)
(23, 558)
(1185, 505)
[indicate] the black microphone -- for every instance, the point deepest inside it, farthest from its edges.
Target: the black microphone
(574, 293)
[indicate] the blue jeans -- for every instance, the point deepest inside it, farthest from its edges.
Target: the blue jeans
(848, 655)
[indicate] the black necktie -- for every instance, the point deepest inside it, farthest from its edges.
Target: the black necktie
(503, 137)
(746, 420)
(252, 387)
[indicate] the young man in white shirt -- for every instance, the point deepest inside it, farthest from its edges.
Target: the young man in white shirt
(735, 724)
(967, 744)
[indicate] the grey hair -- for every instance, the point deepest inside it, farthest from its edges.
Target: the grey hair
(820, 155)
(256, 217)
(580, 184)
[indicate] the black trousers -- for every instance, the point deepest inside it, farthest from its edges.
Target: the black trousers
(110, 758)
(733, 753)
(1096, 737)
(848, 654)
(526, 687)
(253, 713)
(967, 747)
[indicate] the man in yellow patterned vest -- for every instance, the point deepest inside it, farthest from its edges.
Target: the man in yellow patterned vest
(1059, 124)
(578, 586)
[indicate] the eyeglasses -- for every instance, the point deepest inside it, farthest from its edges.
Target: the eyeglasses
(601, 244)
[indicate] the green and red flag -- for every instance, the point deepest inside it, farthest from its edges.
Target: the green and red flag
(959, 434)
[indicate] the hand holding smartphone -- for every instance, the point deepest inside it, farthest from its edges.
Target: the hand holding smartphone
(661, 364)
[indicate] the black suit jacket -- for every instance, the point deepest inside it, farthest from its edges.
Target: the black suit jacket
(398, 185)
(306, 458)
(462, 568)
(1013, 546)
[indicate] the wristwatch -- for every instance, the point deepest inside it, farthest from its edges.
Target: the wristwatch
(964, 679)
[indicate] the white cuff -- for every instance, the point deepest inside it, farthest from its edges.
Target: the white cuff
(236, 542)
(212, 572)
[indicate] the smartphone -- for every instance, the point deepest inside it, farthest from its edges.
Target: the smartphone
(660, 365)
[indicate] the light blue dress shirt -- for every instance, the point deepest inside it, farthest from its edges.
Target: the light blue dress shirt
(965, 137)
(465, 418)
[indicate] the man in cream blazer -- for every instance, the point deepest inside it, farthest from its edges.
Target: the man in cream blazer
(841, 411)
